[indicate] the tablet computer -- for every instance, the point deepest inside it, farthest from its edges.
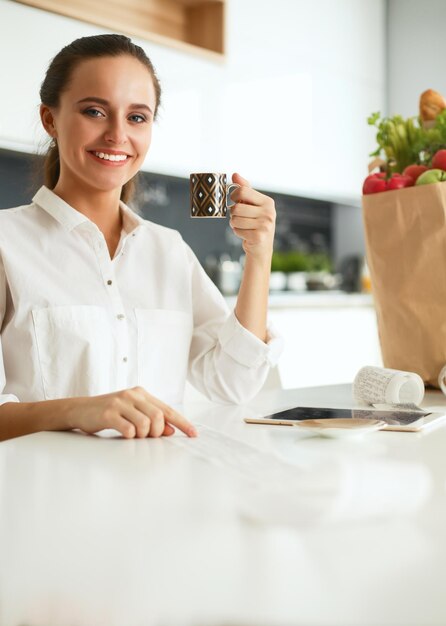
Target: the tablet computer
(404, 420)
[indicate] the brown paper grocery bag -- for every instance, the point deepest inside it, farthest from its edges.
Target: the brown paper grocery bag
(405, 236)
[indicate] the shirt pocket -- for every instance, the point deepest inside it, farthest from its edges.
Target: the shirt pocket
(164, 337)
(75, 345)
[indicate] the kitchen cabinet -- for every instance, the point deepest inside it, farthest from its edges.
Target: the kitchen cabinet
(190, 25)
(327, 338)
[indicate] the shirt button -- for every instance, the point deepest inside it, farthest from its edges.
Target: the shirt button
(109, 282)
(120, 316)
(125, 359)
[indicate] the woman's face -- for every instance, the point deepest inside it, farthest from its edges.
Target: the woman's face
(107, 109)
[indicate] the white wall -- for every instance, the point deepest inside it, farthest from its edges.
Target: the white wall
(416, 52)
(287, 108)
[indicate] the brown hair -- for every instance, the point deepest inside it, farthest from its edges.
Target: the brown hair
(57, 78)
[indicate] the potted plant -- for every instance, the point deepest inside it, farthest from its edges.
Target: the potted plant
(289, 270)
(320, 272)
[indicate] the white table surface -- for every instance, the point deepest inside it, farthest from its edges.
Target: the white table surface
(102, 531)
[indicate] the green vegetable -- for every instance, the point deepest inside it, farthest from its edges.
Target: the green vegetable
(295, 261)
(402, 141)
(319, 262)
(435, 138)
(291, 261)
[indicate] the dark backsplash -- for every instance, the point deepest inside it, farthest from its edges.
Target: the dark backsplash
(302, 223)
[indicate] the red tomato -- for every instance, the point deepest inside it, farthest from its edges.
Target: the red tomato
(439, 160)
(375, 183)
(398, 181)
(414, 171)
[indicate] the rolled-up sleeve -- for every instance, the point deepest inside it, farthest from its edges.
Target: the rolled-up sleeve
(227, 362)
(4, 397)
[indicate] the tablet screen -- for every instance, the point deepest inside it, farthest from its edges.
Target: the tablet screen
(310, 413)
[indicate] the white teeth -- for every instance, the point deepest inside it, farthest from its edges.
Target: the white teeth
(110, 157)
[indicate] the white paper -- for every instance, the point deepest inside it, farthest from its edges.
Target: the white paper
(381, 386)
(268, 489)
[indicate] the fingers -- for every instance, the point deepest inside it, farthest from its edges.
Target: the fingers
(144, 403)
(168, 430)
(176, 419)
(147, 424)
(237, 178)
(157, 424)
(139, 420)
(244, 222)
(133, 413)
(126, 428)
(136, 413)
(245, 210)
(252, 224)
(248, 195)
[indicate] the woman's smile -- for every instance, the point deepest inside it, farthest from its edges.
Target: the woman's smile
(110, 159)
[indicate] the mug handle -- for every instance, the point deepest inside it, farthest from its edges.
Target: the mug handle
(228, 191)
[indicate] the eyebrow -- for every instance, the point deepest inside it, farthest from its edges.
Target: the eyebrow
(102, 101)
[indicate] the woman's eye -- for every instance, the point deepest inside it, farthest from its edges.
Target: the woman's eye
(141, 117)
(92, 111)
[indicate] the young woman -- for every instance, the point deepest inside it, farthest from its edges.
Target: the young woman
(103, 315)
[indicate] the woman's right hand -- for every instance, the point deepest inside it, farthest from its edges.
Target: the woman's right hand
(133, 412)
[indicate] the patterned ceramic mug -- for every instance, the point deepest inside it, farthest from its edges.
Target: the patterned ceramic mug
(209, 194)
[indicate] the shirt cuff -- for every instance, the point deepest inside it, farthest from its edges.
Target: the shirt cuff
(247, 349)
(8, 397)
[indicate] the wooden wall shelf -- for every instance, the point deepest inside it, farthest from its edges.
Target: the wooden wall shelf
(196, 26)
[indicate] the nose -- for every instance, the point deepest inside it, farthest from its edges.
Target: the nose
(115, 132)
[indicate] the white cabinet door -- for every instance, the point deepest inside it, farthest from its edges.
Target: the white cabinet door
(325, 345)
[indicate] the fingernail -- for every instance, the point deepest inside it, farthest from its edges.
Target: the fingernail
(192, 432)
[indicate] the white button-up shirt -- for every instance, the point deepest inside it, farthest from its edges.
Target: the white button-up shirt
(74, 322)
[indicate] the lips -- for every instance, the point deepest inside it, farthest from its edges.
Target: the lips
(107, 162)
(108, 151)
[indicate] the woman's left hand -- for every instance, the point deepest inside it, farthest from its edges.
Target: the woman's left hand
(253, 219)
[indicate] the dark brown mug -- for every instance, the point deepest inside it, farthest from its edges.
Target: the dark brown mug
(209, 194)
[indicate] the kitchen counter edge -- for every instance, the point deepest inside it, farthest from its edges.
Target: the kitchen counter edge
(314, 299)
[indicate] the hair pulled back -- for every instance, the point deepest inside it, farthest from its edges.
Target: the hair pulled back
(57, 78)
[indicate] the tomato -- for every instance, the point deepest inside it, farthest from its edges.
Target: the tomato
(414, 171)
(375, 183)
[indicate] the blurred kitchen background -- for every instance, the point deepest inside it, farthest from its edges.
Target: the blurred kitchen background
(279, 92)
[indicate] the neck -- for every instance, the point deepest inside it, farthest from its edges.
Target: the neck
(101, 207)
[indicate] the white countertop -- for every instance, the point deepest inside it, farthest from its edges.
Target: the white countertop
(98, 530)
(314, 299)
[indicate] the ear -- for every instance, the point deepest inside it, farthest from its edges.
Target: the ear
(47, 119)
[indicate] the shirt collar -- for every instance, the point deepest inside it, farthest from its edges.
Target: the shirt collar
(130, 219)
(70, 217)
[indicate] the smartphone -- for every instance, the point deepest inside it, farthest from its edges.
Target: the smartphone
(394, 419)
